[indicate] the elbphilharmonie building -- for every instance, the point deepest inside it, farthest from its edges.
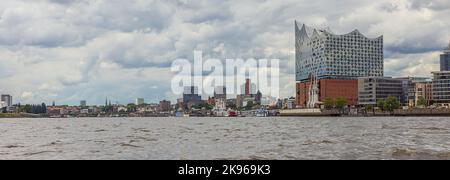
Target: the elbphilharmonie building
(326, 55)
(328, 65)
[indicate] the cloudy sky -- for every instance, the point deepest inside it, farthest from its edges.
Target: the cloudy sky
(68, 50)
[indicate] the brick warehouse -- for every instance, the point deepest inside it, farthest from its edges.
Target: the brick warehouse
(330, 88)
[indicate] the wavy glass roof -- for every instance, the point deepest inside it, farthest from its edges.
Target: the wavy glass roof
(307, 32)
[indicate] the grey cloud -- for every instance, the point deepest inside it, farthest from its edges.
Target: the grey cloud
(434, 4)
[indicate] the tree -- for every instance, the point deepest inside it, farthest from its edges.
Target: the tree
(44, 108)
(369, 107)
(422, 102)
(250, 105)
(131, 107)
(392, 103)
(381, 103)
(328, 103)
(208, 106)
(341, 102)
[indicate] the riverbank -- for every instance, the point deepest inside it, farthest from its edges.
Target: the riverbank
(363, 113)
(10, 115)
(289, 113)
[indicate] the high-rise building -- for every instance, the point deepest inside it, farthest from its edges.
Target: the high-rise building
(83, 103)
(445, 59)
(7, 99)
(328, 65)
(441, 88)
(140, 101)
(372, 89)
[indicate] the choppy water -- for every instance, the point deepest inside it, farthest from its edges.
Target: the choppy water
(226, 138)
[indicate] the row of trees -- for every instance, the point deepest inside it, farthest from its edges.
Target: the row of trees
(339, 103)
(389, 104)
(33, 108)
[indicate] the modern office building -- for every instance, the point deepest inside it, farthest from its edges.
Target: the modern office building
(416, 88)
(83, 103)
(328, 65)
(445, 59)
(372, 89)
(140, 101)
(7, 99)
(441, 88)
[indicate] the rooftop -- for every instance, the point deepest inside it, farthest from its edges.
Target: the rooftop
(448, 48)
(306, 32)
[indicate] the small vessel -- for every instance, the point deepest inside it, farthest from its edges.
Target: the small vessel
(262, 113)
(232, 114)
(180, 114)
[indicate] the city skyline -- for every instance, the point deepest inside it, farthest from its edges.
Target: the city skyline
(89, 50)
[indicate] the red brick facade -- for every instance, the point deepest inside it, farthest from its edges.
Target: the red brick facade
(332, 88)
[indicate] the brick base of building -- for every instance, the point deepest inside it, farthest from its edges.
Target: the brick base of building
(329, 88)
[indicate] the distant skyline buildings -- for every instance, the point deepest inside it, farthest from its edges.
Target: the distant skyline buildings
(6, 100)
(441, 80)
(83, 103)
(139, 101)
(191, 96)
(220, 92)
(445, 59)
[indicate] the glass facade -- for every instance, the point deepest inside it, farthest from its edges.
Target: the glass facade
(441, 87)
(445, 62)
(326, 55)
(372, 89)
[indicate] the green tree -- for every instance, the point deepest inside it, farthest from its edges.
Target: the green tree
(44, 108)
(381, 103)
(208, 106)
(341, 102)
(27, 108)
(422, 102)
(392, 103)
(131, 107)
(328, 103)
(250, 105)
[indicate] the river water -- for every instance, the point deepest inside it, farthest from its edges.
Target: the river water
(226, 138)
